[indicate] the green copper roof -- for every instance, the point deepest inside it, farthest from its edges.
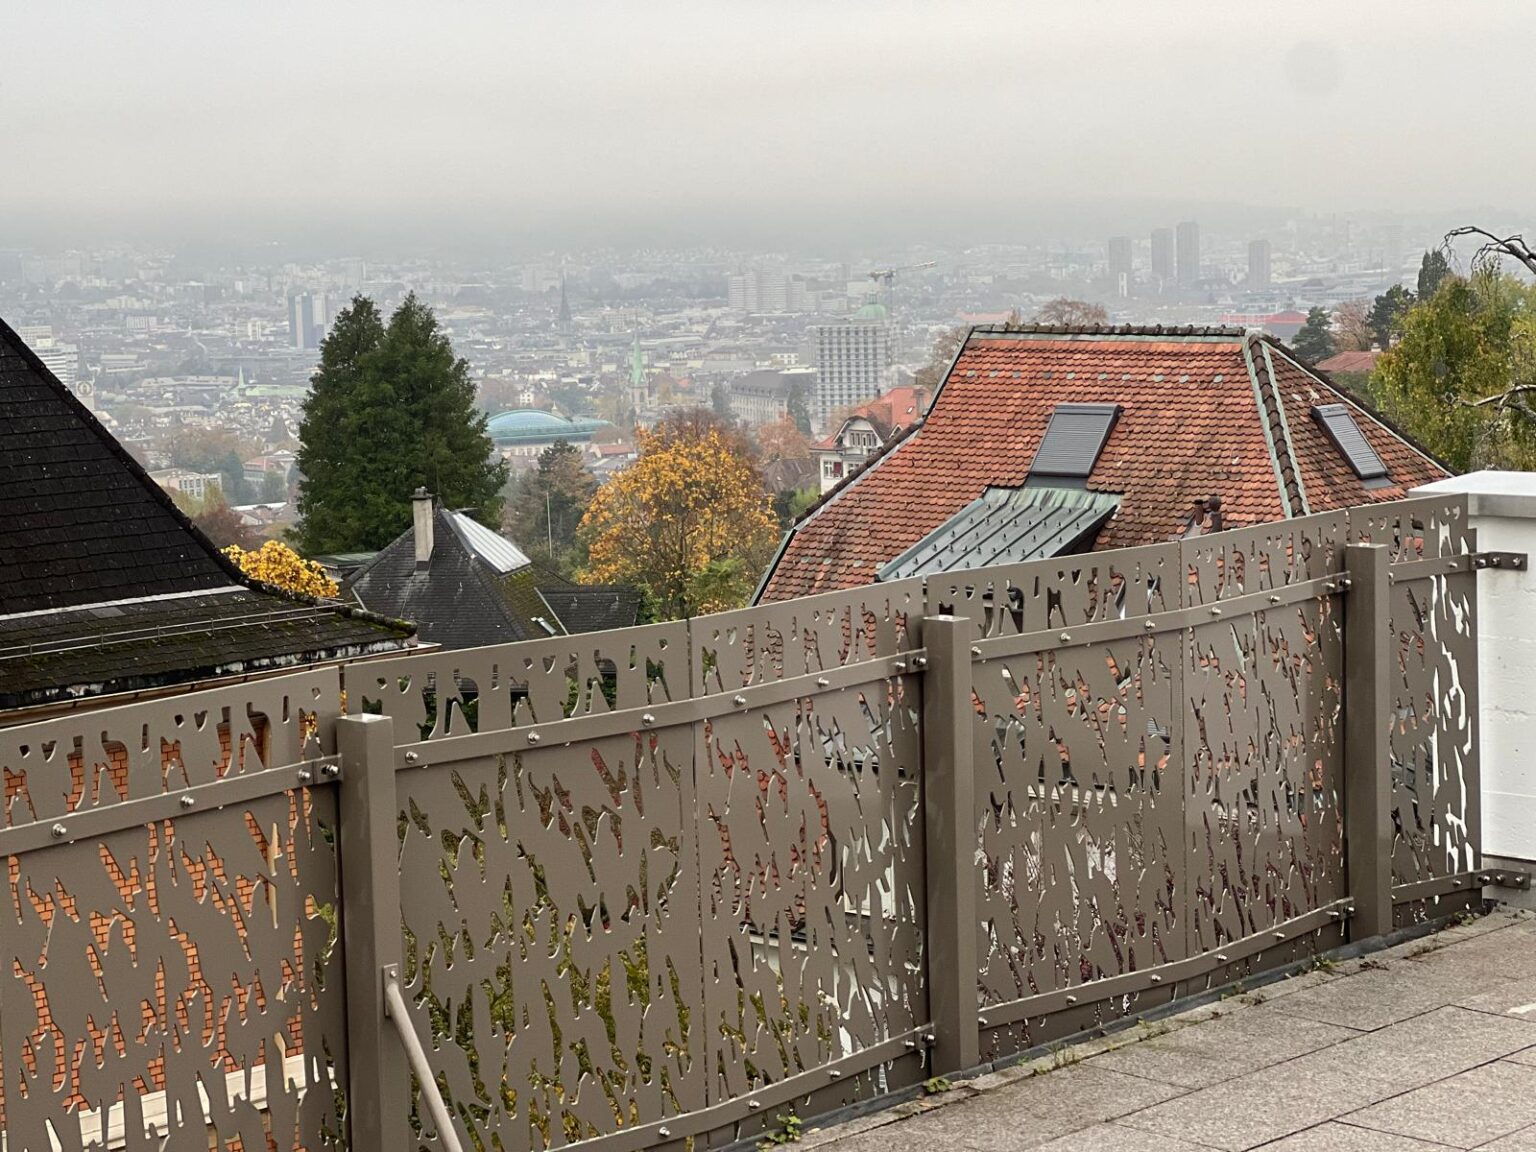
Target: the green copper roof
(1007, 526)
(534, 425)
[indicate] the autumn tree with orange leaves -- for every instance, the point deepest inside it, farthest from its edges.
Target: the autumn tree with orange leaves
(688, 523)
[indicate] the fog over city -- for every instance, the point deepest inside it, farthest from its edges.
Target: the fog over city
(521, 124)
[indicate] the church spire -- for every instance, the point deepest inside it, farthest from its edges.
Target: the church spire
(565, 305)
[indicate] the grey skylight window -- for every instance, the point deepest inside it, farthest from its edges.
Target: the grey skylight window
(1339, 422)
(1073, 440)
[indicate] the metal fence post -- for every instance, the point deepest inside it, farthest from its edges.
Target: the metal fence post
(370, 925)
(949, 806)
(1367, 740)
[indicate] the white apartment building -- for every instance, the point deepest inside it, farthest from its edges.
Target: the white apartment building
(854, 362)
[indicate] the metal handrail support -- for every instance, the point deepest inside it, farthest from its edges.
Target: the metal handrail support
(395, 1009)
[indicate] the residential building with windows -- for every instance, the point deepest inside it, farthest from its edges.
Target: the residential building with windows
(853, 362)
(1042, 441)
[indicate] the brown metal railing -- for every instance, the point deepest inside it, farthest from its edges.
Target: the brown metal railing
(665, 884)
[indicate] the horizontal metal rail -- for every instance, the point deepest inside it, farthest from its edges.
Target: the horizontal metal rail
(597, 725)
(1151, 624)
(739, 1108)
(1459, 882)
(395, 1009)
(1129, 983)
(104, 819)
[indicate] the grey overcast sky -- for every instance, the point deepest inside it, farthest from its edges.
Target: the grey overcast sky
(517, 117)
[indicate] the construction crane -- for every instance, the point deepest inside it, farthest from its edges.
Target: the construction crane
(884, 276)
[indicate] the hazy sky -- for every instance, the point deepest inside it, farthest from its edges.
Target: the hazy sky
(519, 118)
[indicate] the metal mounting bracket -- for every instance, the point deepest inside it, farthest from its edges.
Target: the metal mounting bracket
(1518, 560)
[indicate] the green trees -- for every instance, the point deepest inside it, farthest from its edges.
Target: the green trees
(799, 407)
(1460, 376)
(546, 505)
(391, 409)
(1315, 340)
(1433, 269)
(1386, 311)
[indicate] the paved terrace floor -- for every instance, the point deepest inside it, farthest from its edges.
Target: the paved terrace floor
(1428, 1045)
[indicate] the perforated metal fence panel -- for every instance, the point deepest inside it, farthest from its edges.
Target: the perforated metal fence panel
(173, 971)
(657, 887)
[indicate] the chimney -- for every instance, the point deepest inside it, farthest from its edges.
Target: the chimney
(421, 511)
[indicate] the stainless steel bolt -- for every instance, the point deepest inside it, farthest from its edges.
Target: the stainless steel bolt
(822, 682)
(58, 831)
(739, 701)
(1279, 935)
(305, 775)
(834, 1074)
(976, 652)
(533, 737)
(1150, 624)
(331, 770)
(1274, 599)
(412, 757)
(1222, 956)
(1065, 637)
(1215, 610)
(753, 1104)
(187, 801)
(663, 1131)
(647, 719)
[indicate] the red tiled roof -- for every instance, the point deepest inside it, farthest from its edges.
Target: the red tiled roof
(889, 412)
(1191, 426)
(1327, 480)
(1350, 362)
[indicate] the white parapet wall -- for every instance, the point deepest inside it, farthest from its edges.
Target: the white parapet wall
(1502, 506)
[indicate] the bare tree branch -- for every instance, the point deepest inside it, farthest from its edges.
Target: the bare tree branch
(1514, 247)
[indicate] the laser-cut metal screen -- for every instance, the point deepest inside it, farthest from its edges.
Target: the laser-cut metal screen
(173, 973)
(665, 884)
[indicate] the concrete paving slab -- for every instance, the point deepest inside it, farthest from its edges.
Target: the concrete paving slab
(1254, 1109)
(1467, 1110)
(1336, 1137)
(1104, 1137)
(1242, 1041)
(1379, 997)
(1420, 1051)
(1522, 1141)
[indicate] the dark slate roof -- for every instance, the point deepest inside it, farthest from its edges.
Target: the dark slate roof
(473, 592)
(458, 600)
(1007, 526)
(105, 586)
(80, 522)
(50, 657)
(593, 607)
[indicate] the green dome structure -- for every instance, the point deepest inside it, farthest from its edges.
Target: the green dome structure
(536, 426)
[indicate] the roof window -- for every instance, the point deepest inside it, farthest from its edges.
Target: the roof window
(1073, 440)
(1339, 422)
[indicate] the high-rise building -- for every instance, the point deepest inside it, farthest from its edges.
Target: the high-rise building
(307, 320)
(1162, 254)
(766, 290)
(853, 361)
(1120, 264)
(1189, 254)
(1258, 264)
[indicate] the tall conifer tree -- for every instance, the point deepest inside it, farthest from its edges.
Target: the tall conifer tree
(391, 409)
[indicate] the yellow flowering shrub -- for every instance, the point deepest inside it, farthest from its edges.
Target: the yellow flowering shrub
(685, 508)
(279, 565)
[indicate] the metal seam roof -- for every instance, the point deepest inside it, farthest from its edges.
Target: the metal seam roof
(1006, 525)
